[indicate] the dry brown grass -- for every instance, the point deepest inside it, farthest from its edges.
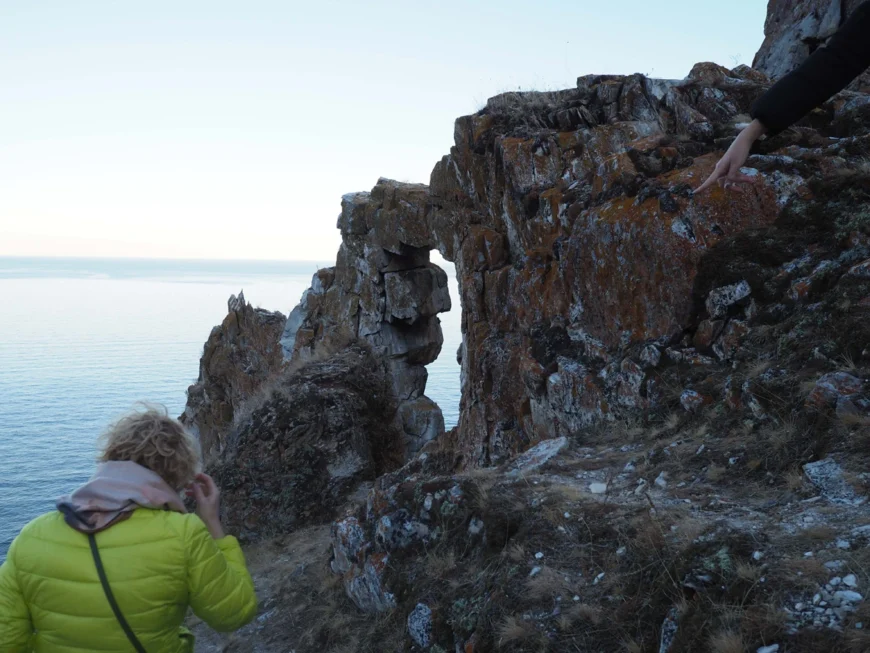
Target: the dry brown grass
(516, 552)
(512, 629)
(547, 583)
(748, 572)
(632, 646)
(758, 368)
(805, 572)
(440, 565)
(716, 473)
(727, 642)
(822, 533)
(794, 479)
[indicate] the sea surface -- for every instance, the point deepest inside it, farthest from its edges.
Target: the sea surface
(83, 340)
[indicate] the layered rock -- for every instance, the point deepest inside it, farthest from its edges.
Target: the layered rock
(383, 290)
(239, 355)
(577, 241)
(795, 28)
(311, 438)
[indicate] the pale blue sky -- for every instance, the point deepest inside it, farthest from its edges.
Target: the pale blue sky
(231, 129)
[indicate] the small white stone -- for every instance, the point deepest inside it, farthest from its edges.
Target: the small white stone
(534, 572)
(621, 551)
(700, 449)
(798, 606)
(567, 515)
(598, 578)
(576, 598)
(539, 556)
(849, 596)
(773, 648)
(661, 480)
(850, 581)
(629, 467)
(844, 544)
(598, 488)
(808, 554)
(817, 599)
(836, 580)
(758, 555)
(859, 625)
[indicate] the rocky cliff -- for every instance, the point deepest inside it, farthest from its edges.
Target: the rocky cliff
(664, 417)
(577, 245)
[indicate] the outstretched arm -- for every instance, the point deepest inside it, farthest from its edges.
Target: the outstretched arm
(827, 71)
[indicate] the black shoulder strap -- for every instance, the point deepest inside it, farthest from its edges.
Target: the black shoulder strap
(108, 590)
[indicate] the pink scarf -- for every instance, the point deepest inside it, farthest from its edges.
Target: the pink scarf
(113, 493)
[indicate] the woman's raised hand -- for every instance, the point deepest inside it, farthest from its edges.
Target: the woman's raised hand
(208, 497)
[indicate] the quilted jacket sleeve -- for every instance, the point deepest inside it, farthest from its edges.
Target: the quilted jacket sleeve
(221, 589)
(827, 71)
(15, 624)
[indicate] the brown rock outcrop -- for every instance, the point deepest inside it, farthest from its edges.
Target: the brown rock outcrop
(576, 240)
(312, 437)
(240, 354)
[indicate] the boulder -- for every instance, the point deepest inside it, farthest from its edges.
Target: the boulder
(314, 436)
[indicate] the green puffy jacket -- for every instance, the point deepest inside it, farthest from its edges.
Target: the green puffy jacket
(157, 562)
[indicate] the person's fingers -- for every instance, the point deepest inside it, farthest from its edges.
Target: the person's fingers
(740, 178)
(210, 485)
(712, 179)
(198, 493)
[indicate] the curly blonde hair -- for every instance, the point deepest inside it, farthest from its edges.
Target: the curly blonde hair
(149, 437)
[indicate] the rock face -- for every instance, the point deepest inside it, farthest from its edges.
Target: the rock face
(313, 437)
(577, 244)
(238, 357)
(795, 28)
(382, 290)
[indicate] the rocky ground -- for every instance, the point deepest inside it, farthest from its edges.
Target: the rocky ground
(630, 538)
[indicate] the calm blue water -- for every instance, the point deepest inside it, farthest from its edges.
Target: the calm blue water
(82, 340)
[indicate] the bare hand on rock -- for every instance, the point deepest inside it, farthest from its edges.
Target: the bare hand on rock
(727, 172)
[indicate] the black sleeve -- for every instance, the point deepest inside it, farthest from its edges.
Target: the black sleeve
(826, 72)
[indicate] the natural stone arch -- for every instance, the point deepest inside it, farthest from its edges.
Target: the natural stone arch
(383, 290)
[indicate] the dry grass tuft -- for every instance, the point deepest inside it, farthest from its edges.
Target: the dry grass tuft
(748, 572)
(727, 642)
(547, 583)
(440, 565)
(716, 473)
(516, 552)
(632, 646)
(511, 629)
(822, 533)
(794, 480)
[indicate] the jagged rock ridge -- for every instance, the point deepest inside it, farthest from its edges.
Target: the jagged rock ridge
(576, 240)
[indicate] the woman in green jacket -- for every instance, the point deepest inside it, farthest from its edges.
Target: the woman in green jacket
(117, 565)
